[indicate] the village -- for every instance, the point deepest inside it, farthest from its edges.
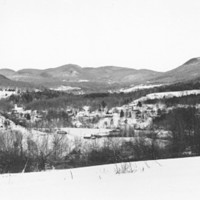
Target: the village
(118, 121)
(84, 128)
(129, 120)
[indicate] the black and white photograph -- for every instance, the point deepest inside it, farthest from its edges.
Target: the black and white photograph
(99, 99)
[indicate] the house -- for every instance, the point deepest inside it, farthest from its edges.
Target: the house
(17, 109)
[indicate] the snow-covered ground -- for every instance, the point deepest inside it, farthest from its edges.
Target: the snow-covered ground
(82, 132)
(150, 180)
(6, 93)
(138, 87)
(83, 80)
(160, 95)
(65, 88)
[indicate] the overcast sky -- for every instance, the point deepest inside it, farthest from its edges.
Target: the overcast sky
(154, 34)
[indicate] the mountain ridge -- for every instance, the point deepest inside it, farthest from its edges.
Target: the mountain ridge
(75, 73)
(72, 73)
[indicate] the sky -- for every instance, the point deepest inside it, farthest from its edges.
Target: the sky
(153, 34)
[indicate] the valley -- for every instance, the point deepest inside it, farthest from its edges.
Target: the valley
(99, 100)
(76, 125)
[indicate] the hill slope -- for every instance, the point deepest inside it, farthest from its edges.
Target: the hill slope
(5, 82)
(153, 180)
(190, 70)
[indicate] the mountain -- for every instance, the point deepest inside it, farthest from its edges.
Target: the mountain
(107, 77)
(5, 82)
(75, 73)
(7, 72)
(190, 70)
(119, 74)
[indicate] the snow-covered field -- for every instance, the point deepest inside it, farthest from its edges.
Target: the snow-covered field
(150, 180)
(139, 87)
(161, 95)
(81, 132)
(65, 88)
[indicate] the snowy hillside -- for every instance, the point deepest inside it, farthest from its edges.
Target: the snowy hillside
(161, 95)
(163, 179)
(6, 93)
(139, 87)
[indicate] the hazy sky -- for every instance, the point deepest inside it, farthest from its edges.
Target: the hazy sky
(153, 34)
